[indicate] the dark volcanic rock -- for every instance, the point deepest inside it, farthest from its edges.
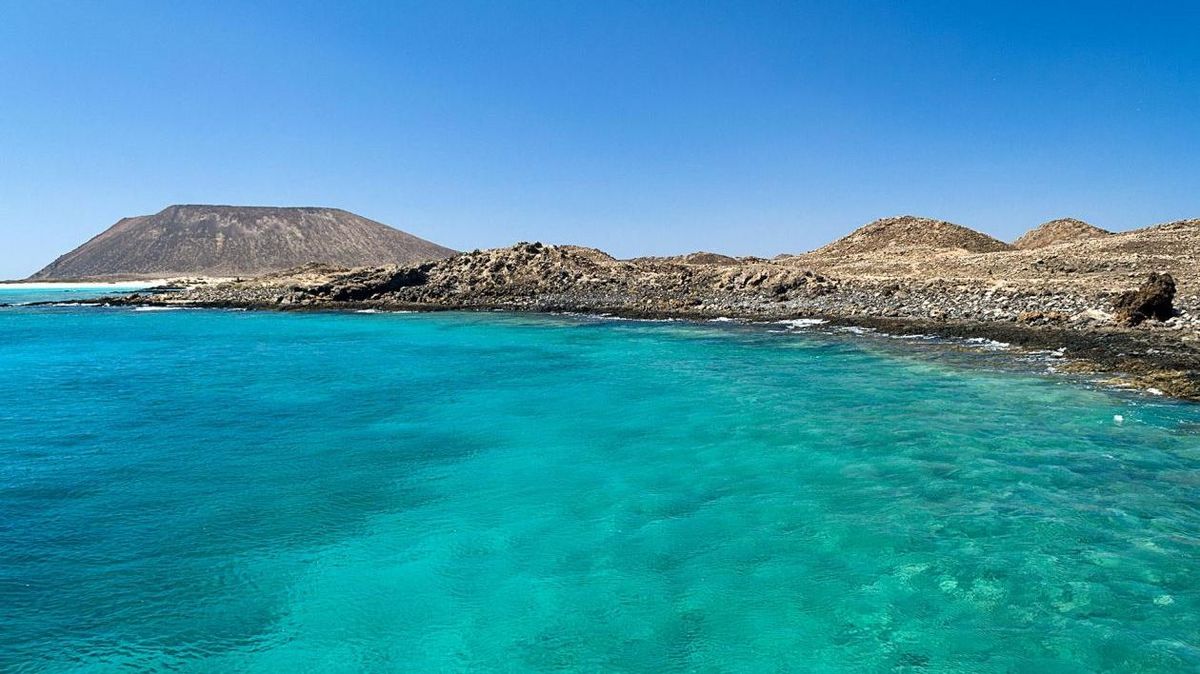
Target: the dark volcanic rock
(371, 283)
(226, 241)
(1152, 300)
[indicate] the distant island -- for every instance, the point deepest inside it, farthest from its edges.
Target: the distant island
(1124, 303)
(229, 241)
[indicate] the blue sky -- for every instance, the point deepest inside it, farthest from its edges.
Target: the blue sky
(640, 128)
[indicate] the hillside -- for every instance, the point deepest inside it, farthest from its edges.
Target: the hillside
(224, 241)
(1062, 230)
(908, 232)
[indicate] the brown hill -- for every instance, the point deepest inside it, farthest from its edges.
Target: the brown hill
(1058, 231)
(700, 258)
(909, 231)
(237, 241)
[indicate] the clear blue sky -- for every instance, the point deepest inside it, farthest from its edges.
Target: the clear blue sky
(640, 128)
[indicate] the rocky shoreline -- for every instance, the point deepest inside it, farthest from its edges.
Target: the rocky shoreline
(1161, 352)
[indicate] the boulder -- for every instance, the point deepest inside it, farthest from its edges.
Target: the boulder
(1092, 316)
(1152, 300)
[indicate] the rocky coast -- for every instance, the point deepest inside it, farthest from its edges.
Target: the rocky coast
(1121, 304)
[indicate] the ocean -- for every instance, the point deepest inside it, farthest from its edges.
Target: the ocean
(224, 491)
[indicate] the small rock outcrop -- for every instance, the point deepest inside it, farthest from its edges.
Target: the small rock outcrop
(1152, 300)
(1062, 230)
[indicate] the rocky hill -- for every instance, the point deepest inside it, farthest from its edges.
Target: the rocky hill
(911, 232)
(699, 257)
(1058, 231)
(225, 241)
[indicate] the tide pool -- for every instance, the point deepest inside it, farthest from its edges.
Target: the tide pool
(216, 491)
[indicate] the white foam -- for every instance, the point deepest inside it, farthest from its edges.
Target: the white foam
(1154, 391)
(802, 322)
(611, 317)
(989, 344)
(722, 319)
(157, 308)
(1118, 419)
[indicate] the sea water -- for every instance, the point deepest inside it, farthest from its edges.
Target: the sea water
(217, 491)
(27, 293)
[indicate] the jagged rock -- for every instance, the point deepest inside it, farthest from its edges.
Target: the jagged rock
(1152, 300)
(369, 284)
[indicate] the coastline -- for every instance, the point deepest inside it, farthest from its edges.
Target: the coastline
(1032, 307)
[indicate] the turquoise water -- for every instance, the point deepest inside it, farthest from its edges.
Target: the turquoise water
(206, 491)
(17, 294)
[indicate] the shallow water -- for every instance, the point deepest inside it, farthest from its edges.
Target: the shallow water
(207, 491)
(24, 293)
